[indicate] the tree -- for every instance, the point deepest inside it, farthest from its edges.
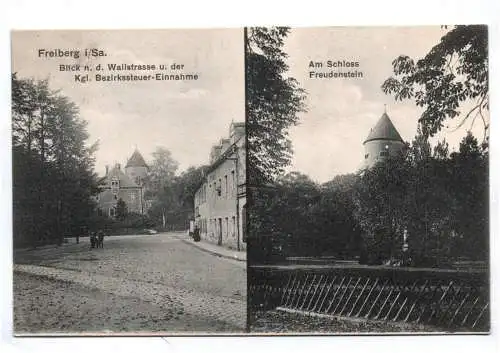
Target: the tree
(121, 209)
(454, 71)
(380, 212)
(470, 187)
(174, 201)
(162, 170)
(339, 231)
(53, 177)
(274, 101)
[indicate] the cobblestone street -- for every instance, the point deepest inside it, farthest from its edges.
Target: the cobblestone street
(151, 283)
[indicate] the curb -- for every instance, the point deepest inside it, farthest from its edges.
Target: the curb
(211, 252)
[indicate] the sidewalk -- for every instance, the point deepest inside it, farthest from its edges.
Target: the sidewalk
(215, 249)
(66, 244)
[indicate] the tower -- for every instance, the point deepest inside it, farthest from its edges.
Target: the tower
(136, 168)
(382, 141)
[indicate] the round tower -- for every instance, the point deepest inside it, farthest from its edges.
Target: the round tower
(136, 167)
(382, 141)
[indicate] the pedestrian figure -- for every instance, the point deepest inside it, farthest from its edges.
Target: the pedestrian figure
(93, 240)
(100, 239)
(196, 234)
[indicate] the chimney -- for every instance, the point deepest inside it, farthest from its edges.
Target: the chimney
(236, 131)
(107, 169)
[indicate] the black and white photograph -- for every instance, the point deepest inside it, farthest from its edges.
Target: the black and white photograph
(129, 182)
(368, 180)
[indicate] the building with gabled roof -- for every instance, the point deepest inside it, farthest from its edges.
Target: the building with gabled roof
(126, 184)
(382, 142)
(220, 200)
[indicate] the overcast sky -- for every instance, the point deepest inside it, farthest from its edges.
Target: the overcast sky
(189, 117)
(185, 117)
(341, 111)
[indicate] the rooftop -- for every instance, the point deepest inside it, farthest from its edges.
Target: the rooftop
(136, 160)
(384, 130)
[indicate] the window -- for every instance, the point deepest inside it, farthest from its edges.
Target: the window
(112, 212)
(233, 183)
(219, 187)
(233, 226)
(132, 197)
(115, 185)
(367, 155)
(225, 186)
(384, 153)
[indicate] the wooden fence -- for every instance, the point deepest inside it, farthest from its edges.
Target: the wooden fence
(453, 300)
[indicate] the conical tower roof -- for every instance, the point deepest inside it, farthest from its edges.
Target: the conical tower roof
(384, 130)
(136, 160)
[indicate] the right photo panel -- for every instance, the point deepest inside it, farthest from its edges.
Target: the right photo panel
(367, 180)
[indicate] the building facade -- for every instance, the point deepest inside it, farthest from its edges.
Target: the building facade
(382, 142)
(220, 200)
(126, 184)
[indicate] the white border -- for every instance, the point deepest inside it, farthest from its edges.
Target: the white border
(92, 14)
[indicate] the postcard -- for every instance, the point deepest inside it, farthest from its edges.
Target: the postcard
(251, 181)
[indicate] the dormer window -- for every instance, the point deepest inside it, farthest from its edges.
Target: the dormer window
(115, 185)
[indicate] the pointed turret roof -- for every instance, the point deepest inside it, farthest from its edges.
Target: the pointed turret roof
(384, 130)
(136, 160)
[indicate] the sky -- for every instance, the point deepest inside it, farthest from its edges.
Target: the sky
(341, 111)
(186, 117)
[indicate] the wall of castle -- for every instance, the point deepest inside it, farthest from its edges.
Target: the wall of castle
(378, 150)
(131, 196)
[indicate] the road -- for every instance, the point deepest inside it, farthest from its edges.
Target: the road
(135, 284)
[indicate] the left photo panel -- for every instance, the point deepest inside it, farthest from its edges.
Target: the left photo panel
(129, 182)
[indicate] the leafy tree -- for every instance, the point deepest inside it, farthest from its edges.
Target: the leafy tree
(470, 187)
(53, 175)
(162, 170)
(273, 103)
(453, 72)
(159, 182)
(339, 232)
(284, 222)
(173, 203)
(379, 199)
(121, 209)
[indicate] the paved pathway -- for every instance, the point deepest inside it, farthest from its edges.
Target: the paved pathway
(153, 283)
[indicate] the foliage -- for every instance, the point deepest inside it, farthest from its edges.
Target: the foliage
(162, 169)
(273, 103)
(297, 217)
(53, 177)
(453, 72)
(121, 209)
(439, 199)
(173, 198)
